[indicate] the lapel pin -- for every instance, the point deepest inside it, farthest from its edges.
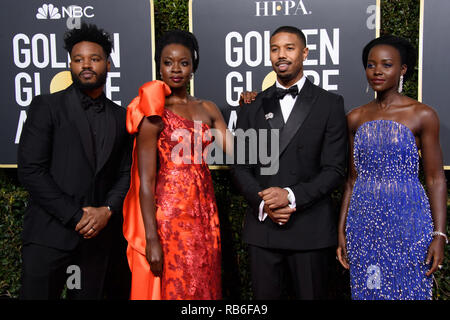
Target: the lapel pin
(269, 116)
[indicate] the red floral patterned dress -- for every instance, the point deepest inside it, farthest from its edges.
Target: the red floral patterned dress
(186, 212)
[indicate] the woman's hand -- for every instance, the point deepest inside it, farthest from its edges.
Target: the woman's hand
(154, 255)
(435, 253)
(247, 97)
(341, 251)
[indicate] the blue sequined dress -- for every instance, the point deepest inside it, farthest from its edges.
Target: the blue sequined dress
(389, 221)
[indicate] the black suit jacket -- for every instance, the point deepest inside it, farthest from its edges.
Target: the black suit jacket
(56, 164)
(312, 162)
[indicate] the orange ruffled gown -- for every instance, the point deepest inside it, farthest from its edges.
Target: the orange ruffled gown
(186, 211)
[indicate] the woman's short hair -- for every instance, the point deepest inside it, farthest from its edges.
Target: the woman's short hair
(406, 50)
(182, 37)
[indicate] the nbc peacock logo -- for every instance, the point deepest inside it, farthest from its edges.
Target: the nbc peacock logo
(48, 11)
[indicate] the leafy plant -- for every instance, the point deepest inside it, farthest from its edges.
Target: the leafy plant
(12, 203)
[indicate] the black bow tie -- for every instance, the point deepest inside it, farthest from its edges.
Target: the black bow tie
(280, 93)
(96, 104)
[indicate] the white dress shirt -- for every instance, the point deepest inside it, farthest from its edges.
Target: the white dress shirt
(287, 104)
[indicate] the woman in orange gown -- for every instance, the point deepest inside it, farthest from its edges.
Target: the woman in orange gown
(170, 215)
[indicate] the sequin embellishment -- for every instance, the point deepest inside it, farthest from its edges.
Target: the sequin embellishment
(187, 216)
(389, 221)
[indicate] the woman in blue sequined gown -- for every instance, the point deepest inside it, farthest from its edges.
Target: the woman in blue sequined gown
(391, 232)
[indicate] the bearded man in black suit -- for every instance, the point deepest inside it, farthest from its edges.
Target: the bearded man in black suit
(74, 159)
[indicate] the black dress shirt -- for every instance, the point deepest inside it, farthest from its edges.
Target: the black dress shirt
(96, 115)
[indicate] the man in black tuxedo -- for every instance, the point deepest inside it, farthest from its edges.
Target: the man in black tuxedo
(290, 227)
(74, 159)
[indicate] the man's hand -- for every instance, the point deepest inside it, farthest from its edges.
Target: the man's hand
(275, 197)
(279, 216)
(93, 220)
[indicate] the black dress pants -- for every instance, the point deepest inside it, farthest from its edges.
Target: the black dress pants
(46, 270)
(306, 273)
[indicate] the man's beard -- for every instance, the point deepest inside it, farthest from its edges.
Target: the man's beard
(286, 76)
(101, 80)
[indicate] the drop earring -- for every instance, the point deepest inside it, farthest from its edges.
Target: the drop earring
(367, 88)
(400, 84)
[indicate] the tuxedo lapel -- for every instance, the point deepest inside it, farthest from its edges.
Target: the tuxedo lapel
(77, 114)
(302, 108)
(110, 135)
(272, 109)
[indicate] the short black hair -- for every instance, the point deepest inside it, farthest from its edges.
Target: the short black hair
(182, 37)
(89, 33)
(406, 50)
(290, 29)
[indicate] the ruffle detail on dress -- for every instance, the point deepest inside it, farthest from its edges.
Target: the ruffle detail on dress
(149, 102)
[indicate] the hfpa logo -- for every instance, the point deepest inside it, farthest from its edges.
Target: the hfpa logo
(49, 11)
(280, 8)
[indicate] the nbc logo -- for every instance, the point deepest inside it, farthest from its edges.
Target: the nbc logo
(48, 11)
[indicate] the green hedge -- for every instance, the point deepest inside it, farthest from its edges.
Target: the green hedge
(12, 203)
(171, 14)
(400, 17)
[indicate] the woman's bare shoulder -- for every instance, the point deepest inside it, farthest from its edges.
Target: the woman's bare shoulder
(356, 116)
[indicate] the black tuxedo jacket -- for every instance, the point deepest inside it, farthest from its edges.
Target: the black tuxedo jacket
(56, 164)
(312, 162)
